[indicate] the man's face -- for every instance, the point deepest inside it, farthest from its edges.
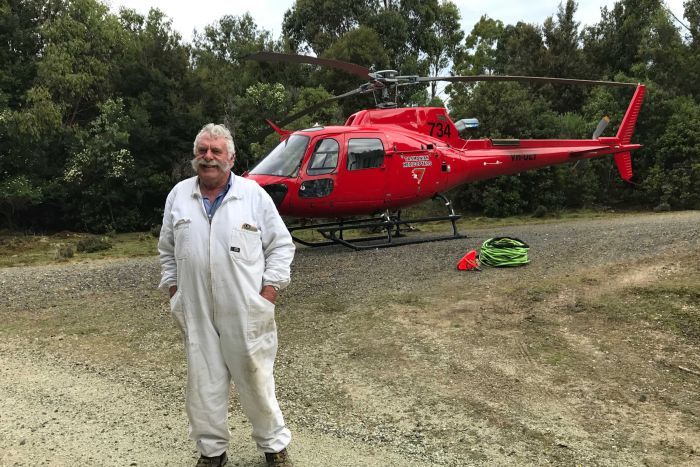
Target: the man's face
(213, 161)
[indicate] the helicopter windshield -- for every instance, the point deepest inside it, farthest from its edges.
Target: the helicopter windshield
(285, 159)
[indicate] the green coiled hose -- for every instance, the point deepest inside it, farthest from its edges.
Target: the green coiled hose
(504, 252)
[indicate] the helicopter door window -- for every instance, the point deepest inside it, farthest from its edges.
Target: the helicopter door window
(324, 160)
(365, 153)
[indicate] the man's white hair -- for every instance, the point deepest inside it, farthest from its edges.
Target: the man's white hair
(216, 131)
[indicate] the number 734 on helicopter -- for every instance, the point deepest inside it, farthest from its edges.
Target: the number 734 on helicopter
(388, 158)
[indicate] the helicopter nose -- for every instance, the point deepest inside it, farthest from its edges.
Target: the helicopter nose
(277, 192)
(274, 185)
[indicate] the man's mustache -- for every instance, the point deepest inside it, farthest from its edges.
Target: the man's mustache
(198, 162)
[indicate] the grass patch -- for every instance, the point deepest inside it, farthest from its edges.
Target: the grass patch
(28, 250)
(113, 327)
(669, 306)
(332, 303)
(413, 299)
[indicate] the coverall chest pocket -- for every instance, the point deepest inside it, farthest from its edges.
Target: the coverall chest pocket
(245, 246)
(181, 232)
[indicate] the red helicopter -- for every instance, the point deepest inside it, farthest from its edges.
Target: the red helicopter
(385, 159)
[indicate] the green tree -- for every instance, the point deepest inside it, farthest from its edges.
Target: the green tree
(16, 194)
(691, 55)
(222, 74)
(661, 53)
(276, 94)
(362, 46)
(441, 40)
(612, 45)
(22, 42)
(479, 55)
(392, 29)
(100, 172)
(259, 101)
(520, 50)
(563, 58)
(315, 26)
(83, 44)
(674, 179)
(162, 99)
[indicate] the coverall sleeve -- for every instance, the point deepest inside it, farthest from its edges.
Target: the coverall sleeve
(277, 244)
(166, 247)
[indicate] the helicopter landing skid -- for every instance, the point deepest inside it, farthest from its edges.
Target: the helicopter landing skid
(333, 232)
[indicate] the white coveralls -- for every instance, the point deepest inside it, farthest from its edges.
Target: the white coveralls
(229, 328)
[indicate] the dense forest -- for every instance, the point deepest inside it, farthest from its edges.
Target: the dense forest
(98, 110)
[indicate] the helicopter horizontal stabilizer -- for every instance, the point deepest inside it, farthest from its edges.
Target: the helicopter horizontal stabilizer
(588, 151)
(623, 161)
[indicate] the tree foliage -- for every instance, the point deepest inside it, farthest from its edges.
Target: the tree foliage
(98, 110)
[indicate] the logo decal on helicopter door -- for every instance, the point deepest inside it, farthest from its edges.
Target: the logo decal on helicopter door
(418, 173)
(416, 161)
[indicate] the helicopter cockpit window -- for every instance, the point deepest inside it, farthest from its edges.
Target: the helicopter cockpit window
(324, 160)
(365, 153)
(285, 159)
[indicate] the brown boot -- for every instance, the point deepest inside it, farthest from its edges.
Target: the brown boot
(216, 461)
(278, 459)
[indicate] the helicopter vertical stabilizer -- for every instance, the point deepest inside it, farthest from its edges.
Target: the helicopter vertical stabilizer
(624, 134)
(623, 161)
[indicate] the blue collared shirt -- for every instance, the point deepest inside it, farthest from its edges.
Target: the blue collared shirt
(212, 207)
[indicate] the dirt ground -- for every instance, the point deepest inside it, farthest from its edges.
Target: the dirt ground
(589, 355)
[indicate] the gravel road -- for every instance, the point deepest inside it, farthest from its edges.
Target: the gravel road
(107, 387)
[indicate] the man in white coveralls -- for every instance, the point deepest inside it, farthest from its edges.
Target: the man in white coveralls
(225, 253)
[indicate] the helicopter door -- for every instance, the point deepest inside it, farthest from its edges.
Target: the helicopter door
(414, 174)
(318, 178)
(362, 178)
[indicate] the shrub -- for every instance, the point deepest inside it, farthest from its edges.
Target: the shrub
(155, 231)
(63, 252)
(540, 211)
(93, 243)
(662, 207)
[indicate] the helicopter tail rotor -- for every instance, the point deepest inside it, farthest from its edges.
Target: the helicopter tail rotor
(602, 124)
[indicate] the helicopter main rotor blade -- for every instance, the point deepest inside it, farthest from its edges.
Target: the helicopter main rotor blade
(319, 105)
(534, 79)
(351, 68)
